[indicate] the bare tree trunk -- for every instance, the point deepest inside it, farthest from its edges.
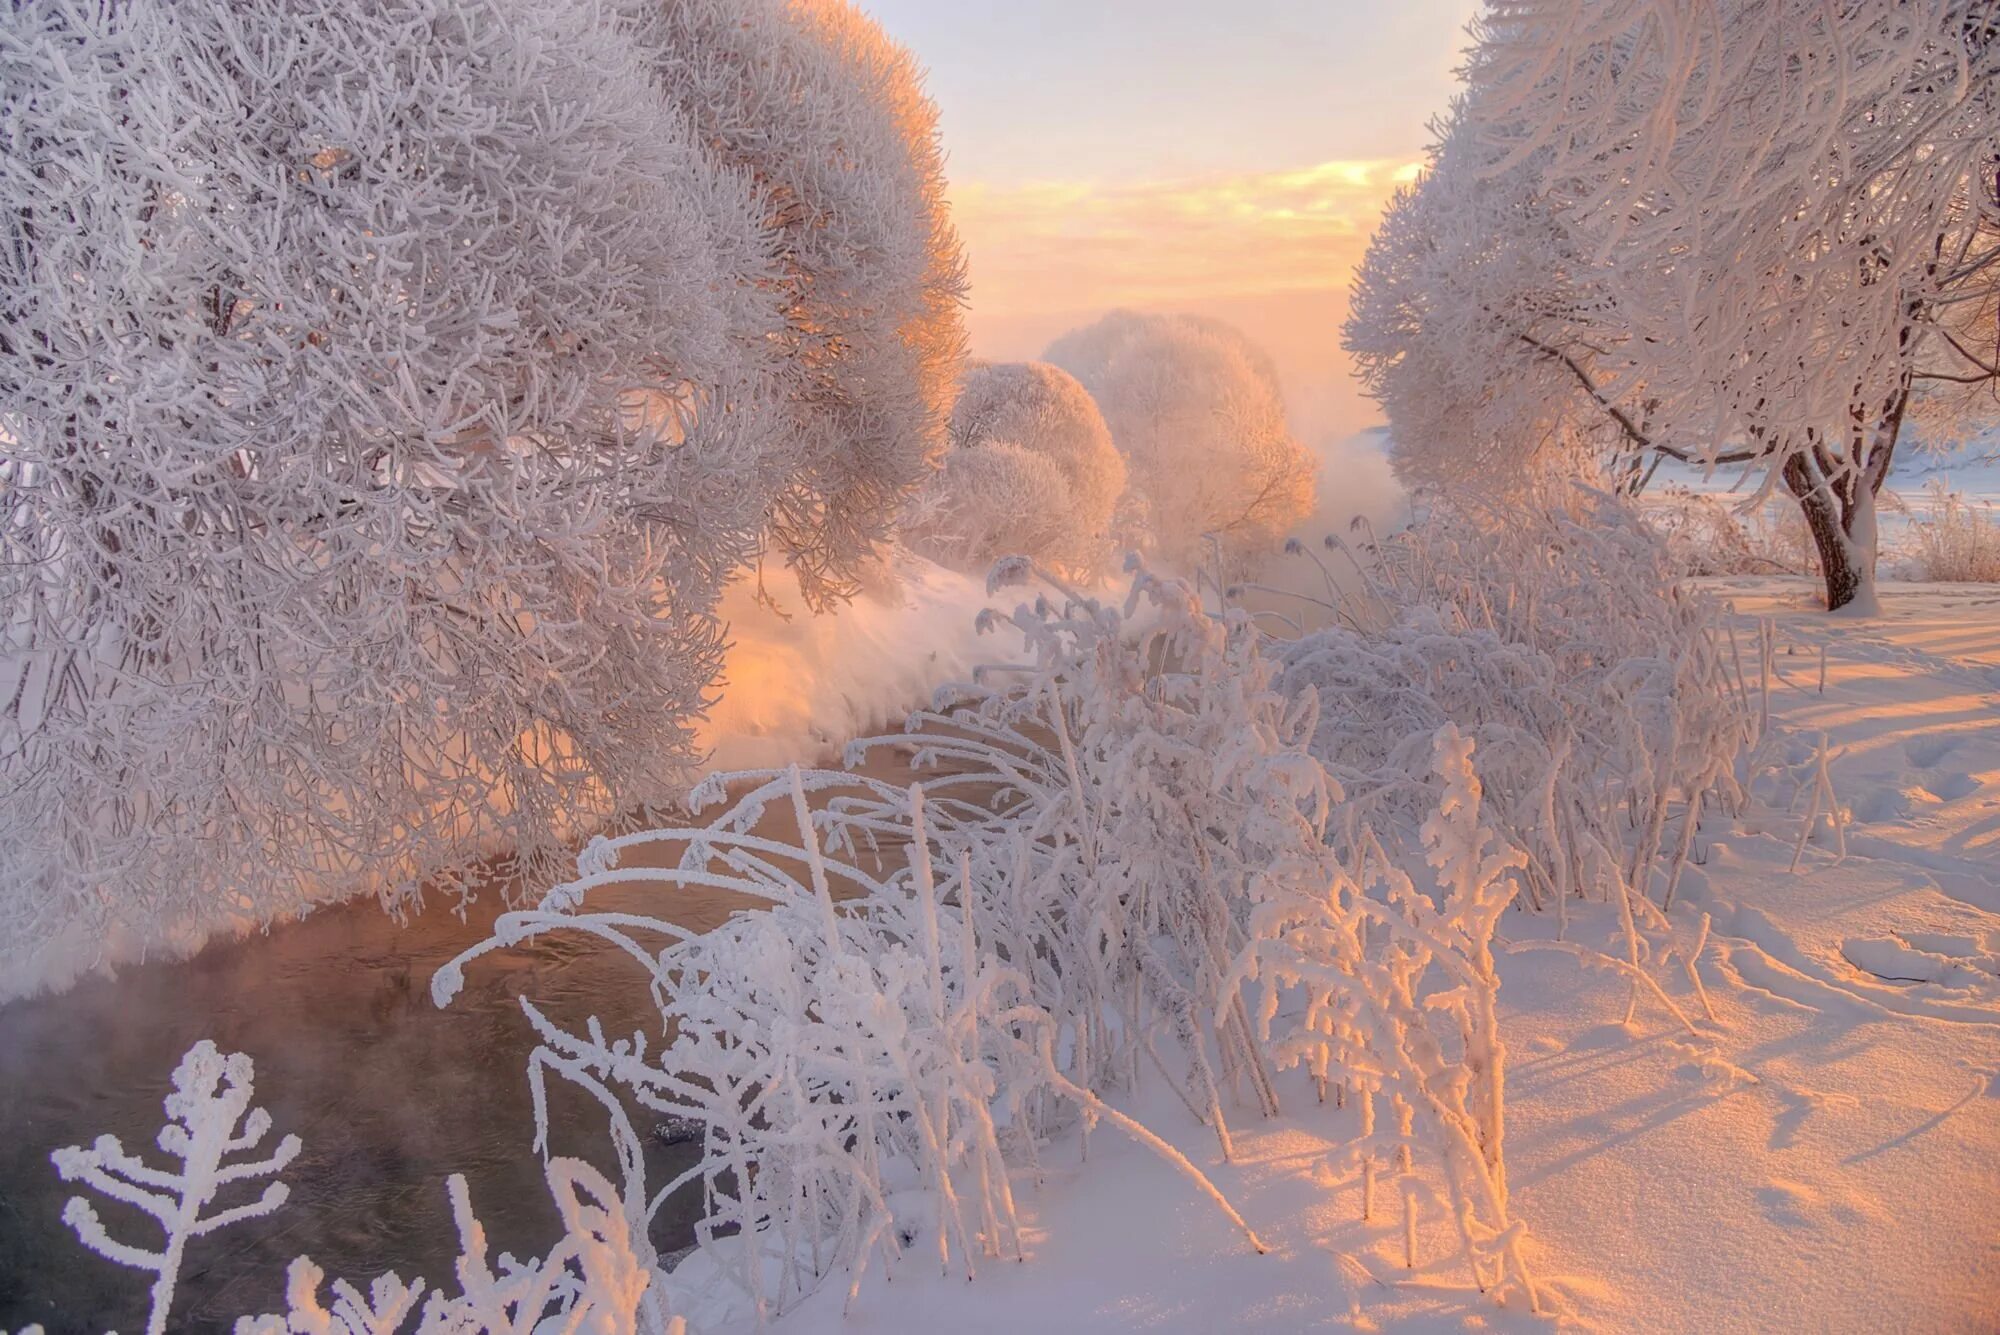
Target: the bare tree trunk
(1837, 496)
(1841, 564)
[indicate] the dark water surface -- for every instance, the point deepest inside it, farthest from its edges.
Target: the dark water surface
(388, 1093)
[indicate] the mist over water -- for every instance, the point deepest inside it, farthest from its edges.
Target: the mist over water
(390, 1094)
(798, 686)
(1359, 500)
(1356, 483)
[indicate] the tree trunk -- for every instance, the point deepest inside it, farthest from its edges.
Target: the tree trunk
(1837, 495)
(1846, 570)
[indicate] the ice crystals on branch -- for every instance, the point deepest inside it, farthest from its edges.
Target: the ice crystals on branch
(1368, 981)
(598, 1277)
(211, 1097)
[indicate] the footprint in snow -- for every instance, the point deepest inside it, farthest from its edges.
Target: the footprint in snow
(1790, 1204)
(1606, 1035)
(1796, 1106)
(1951, 787)
(1883, 805)
(1929, 750)
(1796, 1205)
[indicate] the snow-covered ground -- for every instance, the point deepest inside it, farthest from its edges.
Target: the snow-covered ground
(1824, 1155)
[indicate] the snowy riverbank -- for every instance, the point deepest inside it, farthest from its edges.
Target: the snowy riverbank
(1823, 1155)
(1821, 1152)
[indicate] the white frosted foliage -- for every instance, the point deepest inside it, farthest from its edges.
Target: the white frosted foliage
(1032, 471)
(209, 1119)
(1746, 233)
(828, 119)
(1195, 408)
(598, 1277)
(389, 392)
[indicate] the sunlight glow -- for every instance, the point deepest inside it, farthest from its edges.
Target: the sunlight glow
(1075, 244)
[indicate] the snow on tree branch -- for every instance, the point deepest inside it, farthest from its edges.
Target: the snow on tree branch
(1745, 232)
(389, 391)
(827, 117)
(598, 1276)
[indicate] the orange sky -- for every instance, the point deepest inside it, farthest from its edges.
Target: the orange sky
(1041, 246)
(1270, 252)
(1229, 160)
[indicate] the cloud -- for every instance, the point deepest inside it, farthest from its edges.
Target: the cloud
(1065, 245)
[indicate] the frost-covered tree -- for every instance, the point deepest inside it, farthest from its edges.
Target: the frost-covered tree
(1473, 325)
(1195, 408)
(1791, 205)
(388, 391)
(1032, 471)
(829, 119)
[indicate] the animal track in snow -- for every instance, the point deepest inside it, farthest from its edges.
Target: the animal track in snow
(1884, 804)
(1789, 1203)
(1797, 1205)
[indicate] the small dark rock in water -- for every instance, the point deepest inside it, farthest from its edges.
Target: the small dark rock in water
(677, 1130)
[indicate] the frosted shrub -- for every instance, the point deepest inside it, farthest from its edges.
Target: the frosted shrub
(1955, 539)
(1196, 410)
(1117, 755)
(1613, 709)
(837, 1061)
(828, 118)
(867, 1047)
(1032, 471)
(211, 1097)
(998, 498)
(850, 1049)
(1708, 535)
(1392, 992)
(389, 391)
(597, 1277)
(1602, 694)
